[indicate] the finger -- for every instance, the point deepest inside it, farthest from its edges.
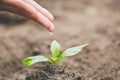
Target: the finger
(11, 9)
(40, 9)
(32, 13)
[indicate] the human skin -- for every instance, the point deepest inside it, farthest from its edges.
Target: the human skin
(29, 9)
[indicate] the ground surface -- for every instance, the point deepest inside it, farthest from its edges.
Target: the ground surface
(77, 22)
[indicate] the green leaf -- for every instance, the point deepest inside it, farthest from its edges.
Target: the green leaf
(74, 50)
(34, 59)
(61, 57)
(55, 48)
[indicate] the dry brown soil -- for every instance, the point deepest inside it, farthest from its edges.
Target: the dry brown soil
(77, 22)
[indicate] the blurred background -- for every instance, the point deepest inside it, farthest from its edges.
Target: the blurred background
(76, 22)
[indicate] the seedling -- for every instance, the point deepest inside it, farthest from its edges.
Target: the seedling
(56, 55)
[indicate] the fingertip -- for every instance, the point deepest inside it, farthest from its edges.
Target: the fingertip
(51, 27)
(48, 15)
(52, 18)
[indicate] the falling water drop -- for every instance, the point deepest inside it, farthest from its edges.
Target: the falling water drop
(51, 33)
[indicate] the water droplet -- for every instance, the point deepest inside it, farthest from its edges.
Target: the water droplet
(51, 33)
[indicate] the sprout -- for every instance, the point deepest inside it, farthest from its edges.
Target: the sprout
(56, 55)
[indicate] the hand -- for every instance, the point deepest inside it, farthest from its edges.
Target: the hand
(29, 9)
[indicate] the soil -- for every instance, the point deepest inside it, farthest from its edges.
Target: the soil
(77, 22)
(50, 72)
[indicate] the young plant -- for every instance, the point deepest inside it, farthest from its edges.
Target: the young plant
(56, 55)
